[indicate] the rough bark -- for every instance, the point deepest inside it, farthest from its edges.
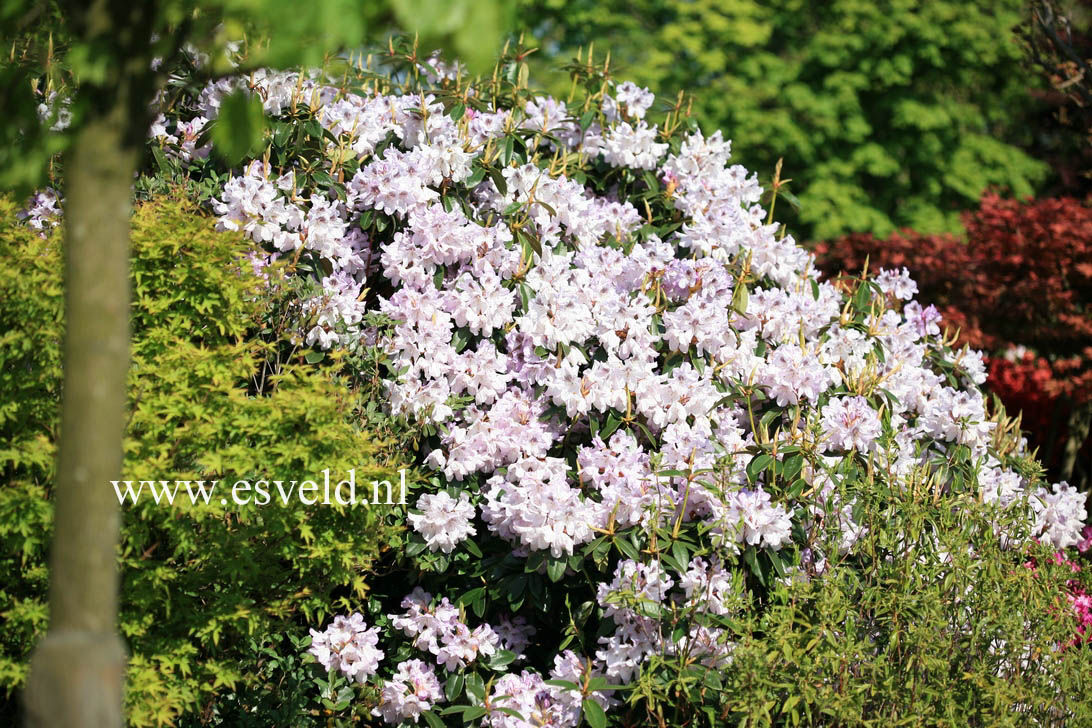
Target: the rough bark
(76, 676)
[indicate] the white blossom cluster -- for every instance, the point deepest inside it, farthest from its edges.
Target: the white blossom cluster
(440, 631)
(42, 211)
(349, 646)
(537, 703)
(443, 521)
(632, 600)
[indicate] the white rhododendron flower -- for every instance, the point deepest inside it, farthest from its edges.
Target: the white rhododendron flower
(348, 646)
(443, 521)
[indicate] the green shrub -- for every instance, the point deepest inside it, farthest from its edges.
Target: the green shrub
(918, 628)
(218, 392)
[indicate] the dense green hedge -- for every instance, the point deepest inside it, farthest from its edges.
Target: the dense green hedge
(217, 392)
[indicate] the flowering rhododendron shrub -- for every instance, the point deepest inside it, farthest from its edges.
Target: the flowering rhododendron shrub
(646, 415)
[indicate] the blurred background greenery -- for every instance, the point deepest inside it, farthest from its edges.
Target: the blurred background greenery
(888, 114)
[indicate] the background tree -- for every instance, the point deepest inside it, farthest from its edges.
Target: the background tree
(120, 53)
(1057, 39)
(889, 114)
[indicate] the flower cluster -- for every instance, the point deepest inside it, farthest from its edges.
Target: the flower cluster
(1028, 258)
(181, 141)
(413, 689)
(347, 645)
(1079, 599)
(443, 521)
(440, 631)
(530, 700)
(42, 211)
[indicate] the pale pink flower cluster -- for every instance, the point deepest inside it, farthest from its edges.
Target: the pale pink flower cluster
(348, 646)
(55, 110)
(536, 703)
(181, 143)
(629, 100)
(269, 211)
(622, 473)
(443, 521)
(850, 423)
(534, 506)
(540, 704)
(754, 519)
(637, 591)
(1060, 514)
(413, 689)
(515, 635)
(709, 587)
(42, 211)
(440, 630)
(254, 205)
(635, 146)
(897, 283)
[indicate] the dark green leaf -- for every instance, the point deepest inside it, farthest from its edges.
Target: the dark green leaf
(593, 713)
(453, 688)
(475, 686)
(757, 465)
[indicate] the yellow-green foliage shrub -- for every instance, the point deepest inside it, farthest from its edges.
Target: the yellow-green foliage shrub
(217, 392)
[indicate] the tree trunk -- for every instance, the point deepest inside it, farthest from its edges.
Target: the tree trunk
(77, 671)
(1080, 421)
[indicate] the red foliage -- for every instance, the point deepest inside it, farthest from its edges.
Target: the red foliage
(1034, 265)
(1023, 386)
(1021, 277)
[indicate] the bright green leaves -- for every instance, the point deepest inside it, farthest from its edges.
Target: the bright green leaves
(204, 405)
(757, 465)
(304, 33)
(593, 713)
(238, 129)
(291, 33)
(469, 30)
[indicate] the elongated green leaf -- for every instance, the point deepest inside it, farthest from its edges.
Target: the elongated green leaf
(593, 713)
(757, 465)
